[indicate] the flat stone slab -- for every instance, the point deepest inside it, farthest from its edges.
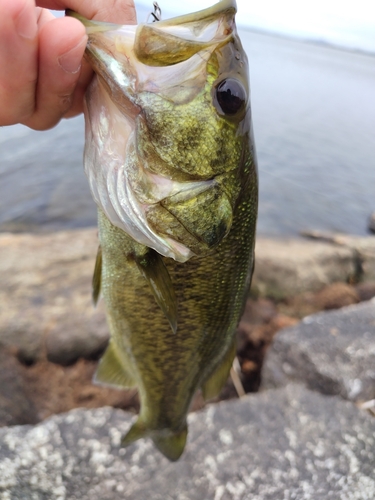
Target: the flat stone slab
(330, 352)
(45, 296)
(288, 443)
(363, 248)
(287, 267)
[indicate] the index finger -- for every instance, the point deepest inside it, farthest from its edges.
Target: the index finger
(116, 11)
(18, 60)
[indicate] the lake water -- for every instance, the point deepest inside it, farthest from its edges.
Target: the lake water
(314, 121)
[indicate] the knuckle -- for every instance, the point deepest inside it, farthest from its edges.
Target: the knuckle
(65, 102)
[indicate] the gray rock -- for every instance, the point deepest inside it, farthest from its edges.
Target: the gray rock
(289, 443)
(330, 352)
(45, 296)
(371, 223)
(284, 268)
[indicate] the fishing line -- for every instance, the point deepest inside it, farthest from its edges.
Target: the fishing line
(156, 13)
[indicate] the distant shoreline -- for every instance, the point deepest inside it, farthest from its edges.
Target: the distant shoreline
(309, 41)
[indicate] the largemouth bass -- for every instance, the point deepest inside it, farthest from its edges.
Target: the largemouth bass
(170, 159)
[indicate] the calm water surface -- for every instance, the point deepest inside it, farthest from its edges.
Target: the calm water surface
(314, 121)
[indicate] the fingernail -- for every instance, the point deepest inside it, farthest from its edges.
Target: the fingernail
(26, 22)
(71, 61)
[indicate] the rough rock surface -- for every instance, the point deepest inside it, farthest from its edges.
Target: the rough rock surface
(45, 296)
(287, 444)
(330, 352)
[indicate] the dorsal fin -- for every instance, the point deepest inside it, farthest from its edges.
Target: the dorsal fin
(153, 269)
(111, 371)
(97, 277)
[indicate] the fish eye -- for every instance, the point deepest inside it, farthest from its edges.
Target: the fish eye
(230, 96)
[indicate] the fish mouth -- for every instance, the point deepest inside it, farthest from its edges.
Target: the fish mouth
(158, 208)
(125, 56)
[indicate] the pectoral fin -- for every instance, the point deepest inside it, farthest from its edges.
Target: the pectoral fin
(111, 371)
(97, 277)
(153, 269)
(213, 385)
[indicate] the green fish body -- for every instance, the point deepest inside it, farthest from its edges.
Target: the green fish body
(171, 164)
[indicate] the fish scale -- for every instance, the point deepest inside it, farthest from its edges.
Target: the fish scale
(210, 294)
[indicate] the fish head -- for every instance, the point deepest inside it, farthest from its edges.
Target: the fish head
(167, 121)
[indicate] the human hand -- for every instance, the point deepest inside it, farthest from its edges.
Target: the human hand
(43, 77)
